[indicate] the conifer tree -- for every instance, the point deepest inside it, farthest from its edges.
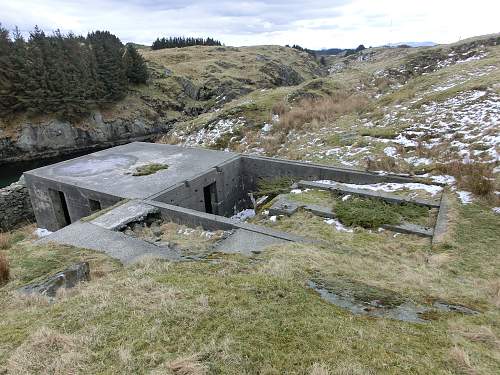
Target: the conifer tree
(135, 65)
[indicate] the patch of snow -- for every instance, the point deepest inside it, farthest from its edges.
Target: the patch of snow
(266, 128)
(273, 218)
(338, 225)
(346, 197)
(496, 210)
(41, 232)
(244, 214)
(390, 186)
(465, 197)
(391, 151)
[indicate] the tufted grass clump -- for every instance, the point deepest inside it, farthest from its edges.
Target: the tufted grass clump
(145, 170)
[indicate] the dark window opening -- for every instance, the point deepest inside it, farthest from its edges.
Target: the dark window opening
(94, 205)
(210, 196)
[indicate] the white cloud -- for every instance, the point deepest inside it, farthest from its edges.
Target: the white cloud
(313, 24)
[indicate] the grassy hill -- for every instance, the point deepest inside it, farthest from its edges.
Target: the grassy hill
(431, 111)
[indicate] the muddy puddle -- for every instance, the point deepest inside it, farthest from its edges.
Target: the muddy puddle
(362, 299)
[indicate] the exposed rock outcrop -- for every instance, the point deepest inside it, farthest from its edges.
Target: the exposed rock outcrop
(68, 278)
(55, 137)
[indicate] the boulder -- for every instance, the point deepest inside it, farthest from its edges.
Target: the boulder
(68, 278)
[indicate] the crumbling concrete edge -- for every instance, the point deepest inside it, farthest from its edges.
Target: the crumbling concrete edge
(442, 225)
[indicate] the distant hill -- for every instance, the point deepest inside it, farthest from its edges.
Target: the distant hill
(411, 44)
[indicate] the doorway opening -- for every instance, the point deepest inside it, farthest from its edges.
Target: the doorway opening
(210, 195)
(60, 207)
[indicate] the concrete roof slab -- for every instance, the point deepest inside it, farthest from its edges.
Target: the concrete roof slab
(110, 171)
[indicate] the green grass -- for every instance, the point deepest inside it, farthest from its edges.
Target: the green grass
(145, 170)
(256, 315)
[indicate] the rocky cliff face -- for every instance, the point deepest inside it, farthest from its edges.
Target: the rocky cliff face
(55, 137)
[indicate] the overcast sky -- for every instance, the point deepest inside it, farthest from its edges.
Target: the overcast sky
(310, 23)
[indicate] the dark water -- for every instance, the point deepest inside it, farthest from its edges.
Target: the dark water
(11, 172)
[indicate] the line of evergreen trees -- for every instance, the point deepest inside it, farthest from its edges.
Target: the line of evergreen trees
(65, 74)
(178, 42)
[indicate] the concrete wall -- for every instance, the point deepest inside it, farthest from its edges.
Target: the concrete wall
(15, 205)
(256, 167)
(48, 215)
(231, 194)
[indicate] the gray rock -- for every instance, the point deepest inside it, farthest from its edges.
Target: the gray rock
(68, 278)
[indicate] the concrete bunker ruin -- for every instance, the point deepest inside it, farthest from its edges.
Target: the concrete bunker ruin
(79, 199)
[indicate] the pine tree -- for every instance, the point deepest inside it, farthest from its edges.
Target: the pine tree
(135, 65)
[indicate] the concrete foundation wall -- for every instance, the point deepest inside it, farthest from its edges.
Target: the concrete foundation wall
(231, 194)
(255, 167)
(47, 213)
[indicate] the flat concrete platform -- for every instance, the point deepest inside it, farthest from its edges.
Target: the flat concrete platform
(125, 213)
(247, 243)
(110, 171)
(116, 244)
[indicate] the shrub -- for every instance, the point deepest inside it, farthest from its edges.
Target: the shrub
(4, 269)
(473, 176)
(372, 213)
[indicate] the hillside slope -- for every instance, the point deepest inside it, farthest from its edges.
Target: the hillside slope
(184, 83)
(426, 111)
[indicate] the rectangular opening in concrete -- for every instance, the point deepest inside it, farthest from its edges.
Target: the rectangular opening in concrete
(60, 207)
(210, 196)
(94, 205)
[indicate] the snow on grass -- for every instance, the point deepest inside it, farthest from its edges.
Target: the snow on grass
(391, 151)
(244, 214)
(388, 187)
(42, 232)
(465, 197)
(338, 225)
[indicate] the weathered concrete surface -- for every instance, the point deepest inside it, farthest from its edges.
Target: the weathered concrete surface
(247, 243)
(382, 195)
(67, 278)
(15, 205)
(124, 214)
(110, 171)
(116, 244)
(442, 221)
(285, 206)
(408, 228)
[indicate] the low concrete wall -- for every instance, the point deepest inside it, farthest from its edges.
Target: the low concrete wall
(15, 205)
(256, 167)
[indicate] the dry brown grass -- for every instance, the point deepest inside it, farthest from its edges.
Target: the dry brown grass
(48, 352)
(188, 366)
(494, 292)
(5, 240)
(462, 361)
(319, 369)
(319, 109)
(279, 108)
(482, 334)
(474, 176)
(4, 269)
